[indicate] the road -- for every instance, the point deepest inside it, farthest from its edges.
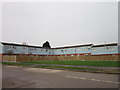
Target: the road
(26, 77)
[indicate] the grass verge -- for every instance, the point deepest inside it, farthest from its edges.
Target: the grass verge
(84, 63)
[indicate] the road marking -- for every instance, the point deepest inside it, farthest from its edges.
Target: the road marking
(93, 79)
(98, 80)
(109, 81)
(75, 77)
(117, 82)
(37, 84)
(68, 76)
(83, 78)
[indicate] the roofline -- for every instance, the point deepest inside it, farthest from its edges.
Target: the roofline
(73, 46)
(4, 43)
(108, 44)
(100, 45)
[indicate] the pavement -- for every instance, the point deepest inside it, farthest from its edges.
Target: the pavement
(28, 77)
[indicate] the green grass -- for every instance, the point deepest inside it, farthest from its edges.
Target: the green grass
(48, 66)
(84, 63)
(45, 66)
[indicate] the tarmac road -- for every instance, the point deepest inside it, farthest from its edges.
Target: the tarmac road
(26, 77)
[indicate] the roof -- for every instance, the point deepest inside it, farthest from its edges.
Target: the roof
(4, 43)
(73, 46)
(102, 45)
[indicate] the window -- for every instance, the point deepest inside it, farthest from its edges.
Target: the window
(94, 49)
(61, 50)
(88, 48)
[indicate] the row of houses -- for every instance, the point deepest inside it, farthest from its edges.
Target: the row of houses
(12, 49)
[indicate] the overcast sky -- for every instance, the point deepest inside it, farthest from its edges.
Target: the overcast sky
(60, 23)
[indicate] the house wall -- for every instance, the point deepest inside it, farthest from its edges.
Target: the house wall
(25, 53)
(104, 50)
(9, 49)
(73, 51)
